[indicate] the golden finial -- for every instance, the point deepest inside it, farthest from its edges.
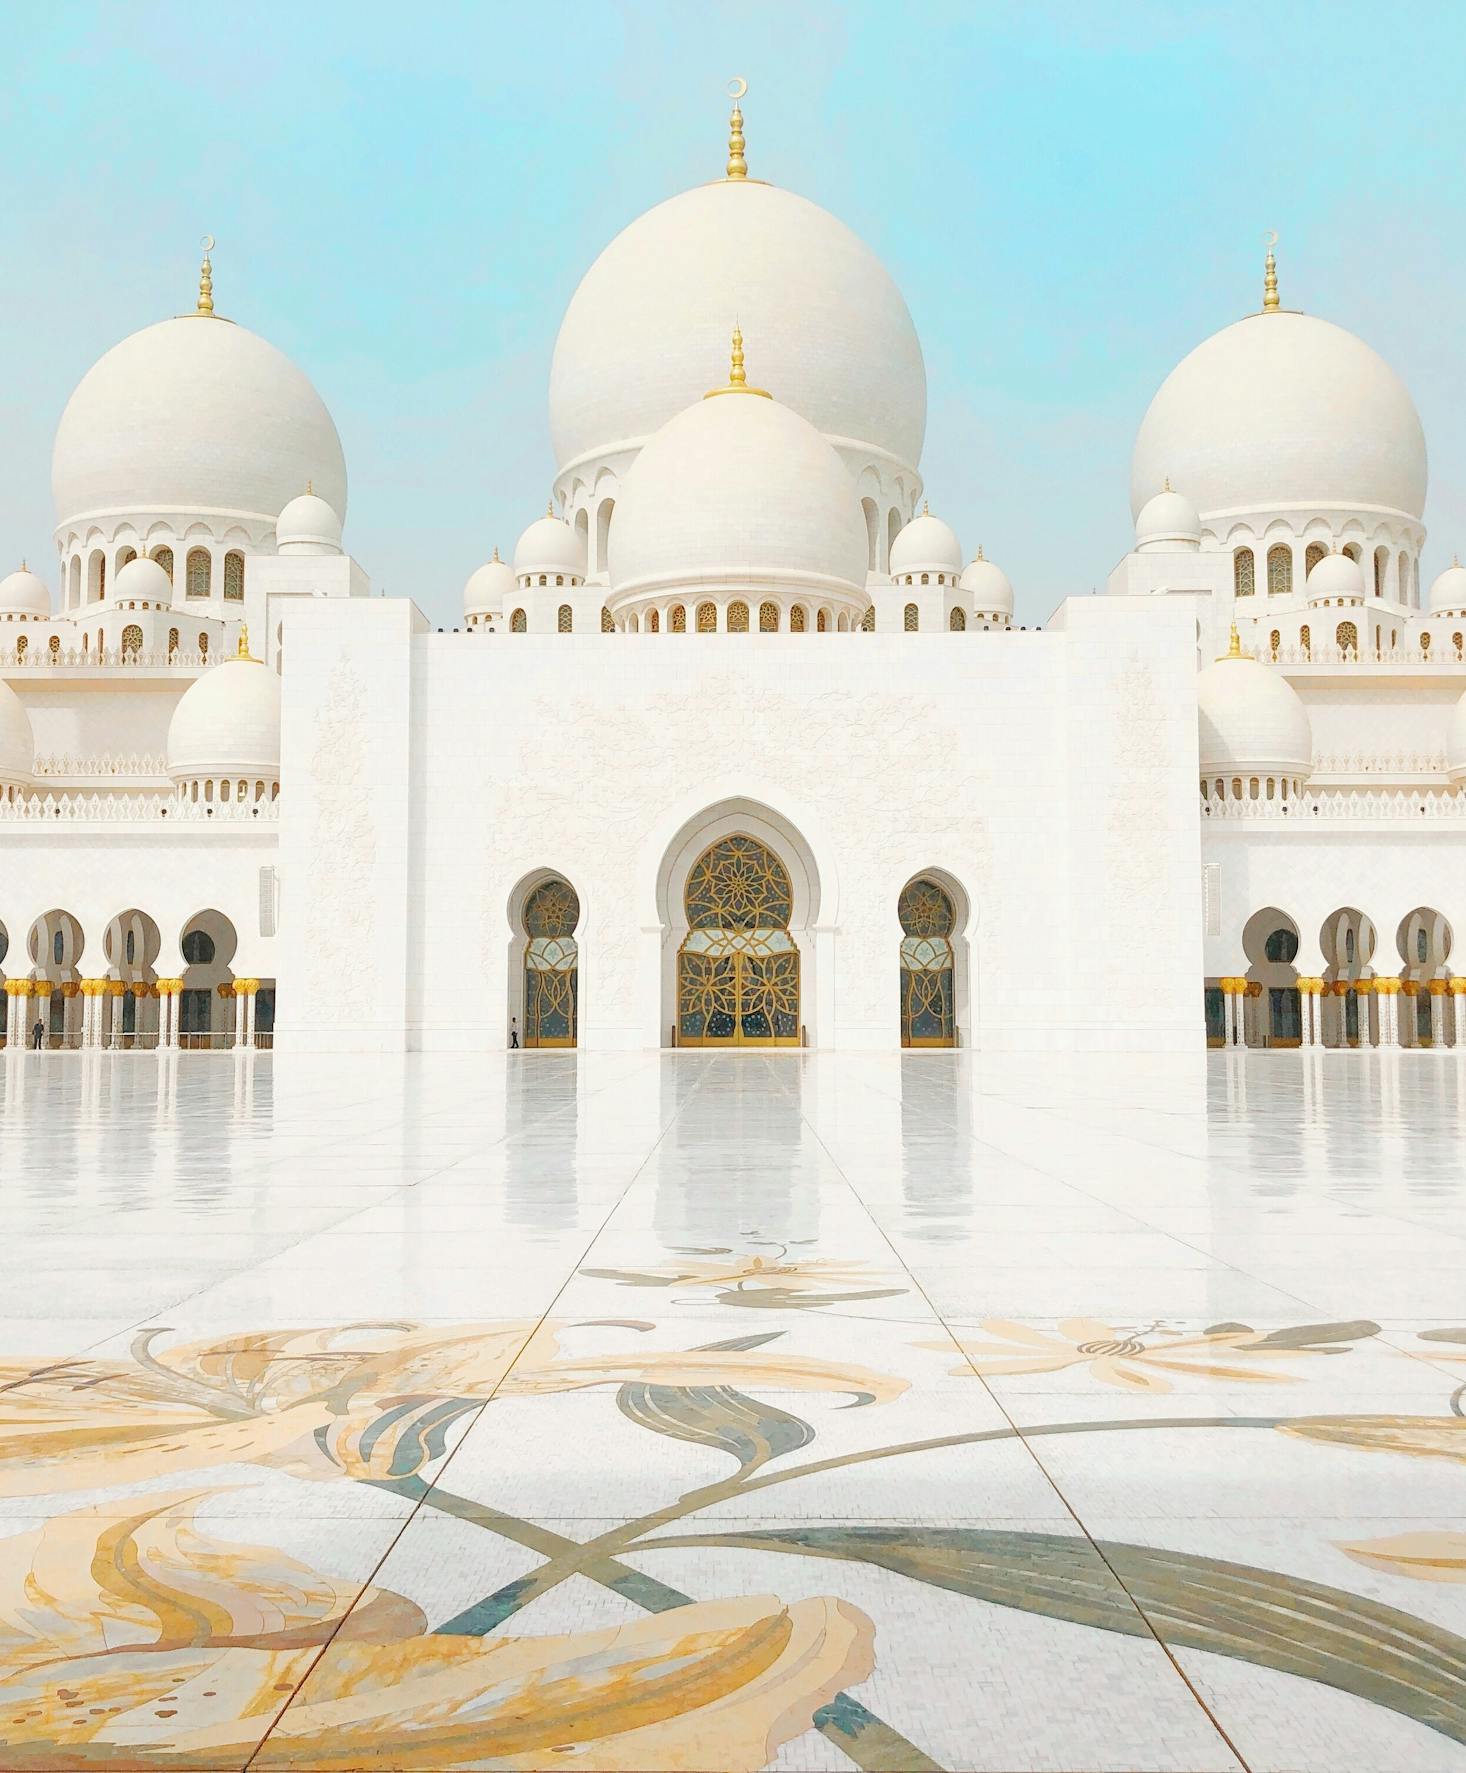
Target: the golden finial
(1234, 645)
(737, 375)
(926, 509)
(1166, 484)
(310, 487)
(206, 278)
(243, 651)
(1270, 274)
(496, 560)
(737, 165)
(980, 554)
(550, 506)
(23, 567)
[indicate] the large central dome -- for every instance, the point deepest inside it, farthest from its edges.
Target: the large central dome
(834, 335)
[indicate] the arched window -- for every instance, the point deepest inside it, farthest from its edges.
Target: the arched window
(21, 645)
(563, 619)
(58, 948)
(53, 646)
(1316, 552)
(234, 577)
(1279, 570)
(707, 618)
(679, 618)
(198, 949)
(1305, 640)
(97, 577)
(75, 581)
(957, 621)
(551, 965)
(1458, 641)
(798, 619)
(654, 621)
(1352, 550)
(928, 1009)
(124, 556)
(203, 646)
(164, 558)
(516, 622)
(172, 642)
(608, 626)
(1346, 637)
(738, 966)
(868, 621)
(198, 572)
(1282, 946)
(909, 619)
(738, 618)
(1425, 644)
(1381, 563)
(1243, 573)
(132, 640)
(768, 618)
(821, 621)
(1275, 640)
(604, 513)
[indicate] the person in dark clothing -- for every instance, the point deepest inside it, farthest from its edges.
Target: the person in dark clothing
(513, 1032)
(38, 1034)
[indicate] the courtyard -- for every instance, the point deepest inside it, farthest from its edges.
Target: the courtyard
(719, 1410)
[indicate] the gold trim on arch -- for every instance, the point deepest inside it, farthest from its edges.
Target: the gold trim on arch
(738, 968)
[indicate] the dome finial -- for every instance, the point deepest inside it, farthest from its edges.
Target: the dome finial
(206, 278)
(550, 506)
(1234, 645)
(980, 554)
(310, 487)
(496, 553)
(1270, 274)
(243, 652)
(737, 165)
(737, 375)
(1166, 484)
(926, 509)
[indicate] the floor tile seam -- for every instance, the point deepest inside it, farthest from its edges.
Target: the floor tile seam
(1246, 1274)
(1074, 1516)
(412, 1515)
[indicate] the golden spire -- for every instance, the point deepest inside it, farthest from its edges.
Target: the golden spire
(926, 509)
(550, 506)
(243, 651)
(1166, 484)
(737, 165)
(1270, 274)
(1234, 645)
(737, 375)
(206, 278)
(310, 487)
(496, 556)
(980, 554)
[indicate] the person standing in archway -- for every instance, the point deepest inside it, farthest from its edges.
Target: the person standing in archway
(513, 1033)
(38, 1034)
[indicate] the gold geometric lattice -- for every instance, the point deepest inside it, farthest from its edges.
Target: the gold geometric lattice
(738, 967)
(551, 976)
(928, 1015)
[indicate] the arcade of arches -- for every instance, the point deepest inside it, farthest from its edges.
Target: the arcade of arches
(66, 987)
(738, 966)
(1367, 994)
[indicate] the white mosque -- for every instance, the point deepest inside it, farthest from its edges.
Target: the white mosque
(739, 748)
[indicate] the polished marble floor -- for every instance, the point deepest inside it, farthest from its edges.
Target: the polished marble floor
(728, 1411)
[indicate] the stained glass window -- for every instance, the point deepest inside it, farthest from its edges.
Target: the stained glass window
(679, 619)
(738, 618)
(928, 1013)
(707, 618)
(132, 638)
(798, 619)
(563, 619)
(957, 621)
(909, 618)
(1347, 637)
(199, 572)
(1279, 570)
(768, 618)
(234, 577)
(551, 965)
(1243, 573)
(738, 967)
(517, 624)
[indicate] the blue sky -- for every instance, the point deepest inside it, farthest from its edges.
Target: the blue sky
(1069, 196)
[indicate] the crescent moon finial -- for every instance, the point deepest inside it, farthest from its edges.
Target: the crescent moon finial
(206, 278)
(737, 87)
(737, 164)
(207, 243)
(1271, 237)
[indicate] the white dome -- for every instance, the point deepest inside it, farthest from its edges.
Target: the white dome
(832, 334)
(1168, 524)
(926, 545)
(549, 545)
(989, 586)
(1456, 741)
(194, 416)
(142, 580)
(487, 586)
(1336, 575)
(23, 594)
(308, 525)
(1447, 592)
(1251, 719)
(739, 492)
(1282, 409)
(227, 723)
(17, 741)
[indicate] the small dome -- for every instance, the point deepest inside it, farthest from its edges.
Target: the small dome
(487, 587)
(738, 493)
(1167, 524)
(1447, 593)
(549, 545)
(988, 585)
(926, 545)
(142, 580)
(1336, 575)
(1456, 741)
(23, 594)
(308, 525)
(17, 741)
(1251, 719)
(227, 723)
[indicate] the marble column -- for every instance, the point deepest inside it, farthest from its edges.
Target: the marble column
(1458, 1011)
(1387, 995)
(1437, 988)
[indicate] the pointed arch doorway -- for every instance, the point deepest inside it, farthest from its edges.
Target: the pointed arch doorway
(738, 974)
(551, 965)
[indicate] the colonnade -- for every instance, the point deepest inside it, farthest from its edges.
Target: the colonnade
(1323, 1013)
(97, 1024)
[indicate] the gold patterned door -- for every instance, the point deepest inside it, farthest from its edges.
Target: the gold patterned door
(738, 966)
(928, 974)
(551, 965)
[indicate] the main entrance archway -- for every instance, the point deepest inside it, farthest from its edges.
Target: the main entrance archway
(928, 970)
(551, 965)
(738, 966)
